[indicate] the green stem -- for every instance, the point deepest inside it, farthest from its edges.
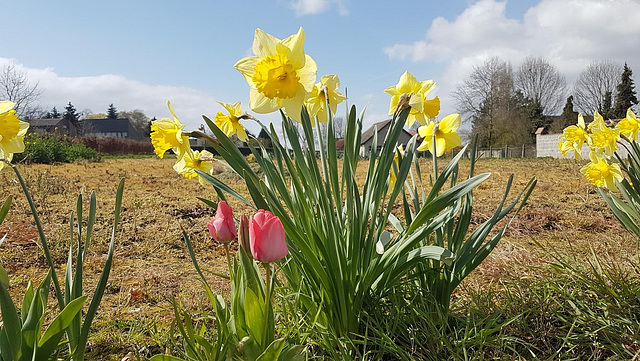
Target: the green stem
(434, 157)
(226, 251)
(267, 303)
(43, 239)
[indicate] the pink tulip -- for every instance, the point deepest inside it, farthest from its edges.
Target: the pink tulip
(222, 227)
(266, 237)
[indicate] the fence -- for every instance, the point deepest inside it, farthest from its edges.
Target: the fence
(506, 151)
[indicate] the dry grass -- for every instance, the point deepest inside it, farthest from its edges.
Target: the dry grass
(151, 267)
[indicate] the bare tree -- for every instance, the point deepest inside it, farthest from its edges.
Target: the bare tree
(339, 127)
(485, 95)
(593, 84)
(16, 87)
(542, 83)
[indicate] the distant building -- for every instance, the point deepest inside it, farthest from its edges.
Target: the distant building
(58, 126)
(381, 129)
(103, 128)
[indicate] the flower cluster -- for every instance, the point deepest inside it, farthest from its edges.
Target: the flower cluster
(282, 76)
(411, 93)
(12, 132)
(602, 141)
(167, 134)
(261, 235)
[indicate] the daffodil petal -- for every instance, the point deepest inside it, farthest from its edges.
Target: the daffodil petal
(247, 67)
(293, 106)
(441, 145)
(450, 123)
(6, 105)
(242, 134)
(452, 140)
(295, 43)
(260, 103)
(264, 44)
(308, 74)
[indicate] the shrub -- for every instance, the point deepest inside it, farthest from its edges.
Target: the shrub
(50, 148)
(116, 145)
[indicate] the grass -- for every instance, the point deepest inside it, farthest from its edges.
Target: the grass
(540, 295)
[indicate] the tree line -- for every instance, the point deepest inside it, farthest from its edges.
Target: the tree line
(15, 86)
(507, 107)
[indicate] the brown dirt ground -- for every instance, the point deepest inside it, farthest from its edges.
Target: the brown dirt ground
(151, 266)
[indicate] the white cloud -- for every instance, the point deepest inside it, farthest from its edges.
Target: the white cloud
(97, 92)
(312, 7)
(568, 33)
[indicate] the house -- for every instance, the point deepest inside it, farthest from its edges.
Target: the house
(381, 129)
(102, 128)
(58, 126)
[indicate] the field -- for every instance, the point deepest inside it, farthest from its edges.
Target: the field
(564, 219)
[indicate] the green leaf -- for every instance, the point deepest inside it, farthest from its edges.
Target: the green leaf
(217, 184)
(4, 277)
(43, 239)
(272, 353)
(11, 325)
(5, 208)
(165, 358)
(211, 204)
(104, 277)
(445, 199)
(254, 314)
(49, 341)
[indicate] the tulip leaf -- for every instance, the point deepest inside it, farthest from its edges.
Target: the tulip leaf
(10, 335)
(272, 353)
(211, 204)
(4, 277)
(254, 314)
(4, 210)
(165, 358)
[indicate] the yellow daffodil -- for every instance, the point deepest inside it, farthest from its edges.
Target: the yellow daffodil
(280, 74)
(192, 160)
(422, 108)
(445, 134)
(600, 173)
(415, 91)
(12, 132)
(602, 137)
(629, 126)
(573, 137)
(167, 134)
(230, 124)
(316, 102)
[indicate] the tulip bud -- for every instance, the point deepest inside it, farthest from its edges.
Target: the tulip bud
(266, 237)
(243, 234)
(222, 227)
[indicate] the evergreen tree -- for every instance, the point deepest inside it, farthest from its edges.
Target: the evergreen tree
(54, 113)
(71, 114)
(626, 94)
(112, 113)
(567, 118)
(607, 108)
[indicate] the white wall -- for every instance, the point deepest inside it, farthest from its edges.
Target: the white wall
(547, 146)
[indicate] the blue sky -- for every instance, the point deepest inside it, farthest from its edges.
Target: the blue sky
(139, 54)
